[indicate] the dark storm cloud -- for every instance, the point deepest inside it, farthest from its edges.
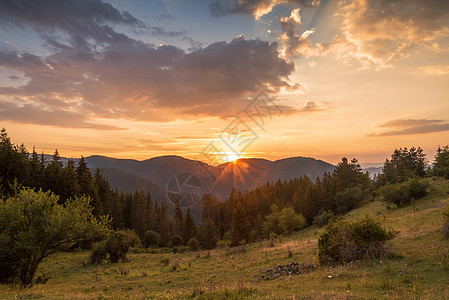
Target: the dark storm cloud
(411, 126)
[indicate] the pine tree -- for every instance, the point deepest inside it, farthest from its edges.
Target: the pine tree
(240, 225)
(178, 219)
(189, 226)
(84, 178)
(70, 181)
(54, 175)
(151, 213)
(207, 234)
(164, 226)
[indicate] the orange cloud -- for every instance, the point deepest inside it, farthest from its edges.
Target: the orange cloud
(380, 31)
(411, 126)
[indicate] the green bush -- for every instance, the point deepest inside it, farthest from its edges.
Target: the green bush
(193, 244)
(176, 240)
(33, 225)
(283, 221)
(113, 248)
(348, 199)
(323, 219)
(344, 241)
(150, 238)
(207, 234)
(402, 193)
(130, 238)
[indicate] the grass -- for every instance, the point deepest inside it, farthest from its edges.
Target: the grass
(418, 270)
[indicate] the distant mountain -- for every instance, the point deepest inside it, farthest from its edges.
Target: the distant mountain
(129, 182)
(171, 172)
(373, 171)
(177, 176)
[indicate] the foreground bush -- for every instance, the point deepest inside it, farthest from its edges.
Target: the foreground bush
(34, 225)
(402, 193)
(115, 247)
(344, 241)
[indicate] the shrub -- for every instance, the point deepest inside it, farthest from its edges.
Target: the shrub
(34, 225)
(176, 240)
(223, 244)
(402, 193)
(323, 219)
(283, 221)
(348, 199)
(150, 238)
(344, 241)
(130, 238)
(254, 235)
(193, 244)
(113, 248)
(290, 221)
(207, 234)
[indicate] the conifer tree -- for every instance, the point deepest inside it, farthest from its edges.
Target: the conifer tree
(240, 225)
(178, 219)
(164, 226)
(189, 228)
(70, 181)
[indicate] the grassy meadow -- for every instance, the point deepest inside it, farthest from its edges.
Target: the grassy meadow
(419, 268)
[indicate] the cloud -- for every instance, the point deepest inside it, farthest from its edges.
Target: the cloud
(295, 44)
(137, 81)
(378, 32)
(434, 70)
(256, 8)
(313, 107)
(29, 114)
(411, 126)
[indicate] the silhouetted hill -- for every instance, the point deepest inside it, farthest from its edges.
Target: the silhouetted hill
(128, 182)
(172, 173)
(243, 175)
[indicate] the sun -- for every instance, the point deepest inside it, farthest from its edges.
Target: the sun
(232, 157)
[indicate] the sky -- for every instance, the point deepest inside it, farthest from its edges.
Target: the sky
(216, 80)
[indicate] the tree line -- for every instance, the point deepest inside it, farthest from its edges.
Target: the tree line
(250, 215)
(136, 211)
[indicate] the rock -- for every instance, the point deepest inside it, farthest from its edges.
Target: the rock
(290, 269)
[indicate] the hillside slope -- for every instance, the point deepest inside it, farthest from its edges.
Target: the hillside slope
(418, 270)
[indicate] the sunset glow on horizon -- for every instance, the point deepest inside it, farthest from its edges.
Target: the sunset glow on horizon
(138, 79)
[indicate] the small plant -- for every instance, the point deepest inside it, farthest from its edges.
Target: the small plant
(445, 228)
(165, 261)
(290, 252)
(344, 241)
